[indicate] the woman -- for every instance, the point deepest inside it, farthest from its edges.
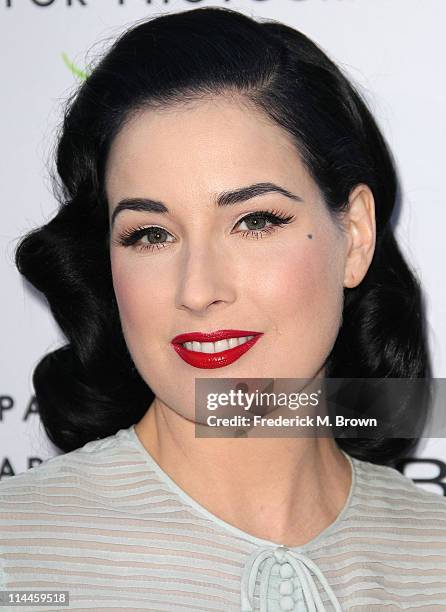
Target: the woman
(220, 174)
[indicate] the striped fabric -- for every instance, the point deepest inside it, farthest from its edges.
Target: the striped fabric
(107, 524)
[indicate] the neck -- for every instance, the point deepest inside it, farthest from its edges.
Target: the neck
(286, 490)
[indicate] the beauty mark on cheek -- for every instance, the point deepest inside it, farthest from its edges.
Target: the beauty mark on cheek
(310, 235)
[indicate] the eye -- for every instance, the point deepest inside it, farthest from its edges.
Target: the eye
(154, 237)
(258, 220)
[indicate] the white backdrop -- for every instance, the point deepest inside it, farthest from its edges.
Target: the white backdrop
(393, 49)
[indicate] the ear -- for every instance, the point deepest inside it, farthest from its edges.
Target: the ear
(360, 227)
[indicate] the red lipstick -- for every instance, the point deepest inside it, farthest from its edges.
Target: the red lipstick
(213, 360)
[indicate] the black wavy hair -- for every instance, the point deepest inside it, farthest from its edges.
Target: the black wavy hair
(89, 388)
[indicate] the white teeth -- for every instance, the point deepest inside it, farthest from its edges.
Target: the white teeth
(216, 347)
(232, 342)
(207, 347)
(221, 345)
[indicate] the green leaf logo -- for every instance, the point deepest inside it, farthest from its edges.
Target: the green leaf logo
(80, 74)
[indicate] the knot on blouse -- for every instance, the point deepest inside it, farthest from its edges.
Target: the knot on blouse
(292, 566)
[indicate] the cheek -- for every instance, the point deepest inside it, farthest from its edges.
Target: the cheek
(139, 301)
(306, 289)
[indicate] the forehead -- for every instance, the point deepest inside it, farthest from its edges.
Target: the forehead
(203, 146)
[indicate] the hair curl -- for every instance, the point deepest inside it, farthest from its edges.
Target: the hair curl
(89, 388)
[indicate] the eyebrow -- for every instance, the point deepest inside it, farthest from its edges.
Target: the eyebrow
(226, 198)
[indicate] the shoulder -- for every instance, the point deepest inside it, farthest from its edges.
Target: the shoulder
(85, 472)
(385, 491)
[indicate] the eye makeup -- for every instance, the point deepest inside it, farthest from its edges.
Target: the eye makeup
(133, 237)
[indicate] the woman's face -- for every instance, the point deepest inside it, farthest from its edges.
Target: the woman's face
(202, 267)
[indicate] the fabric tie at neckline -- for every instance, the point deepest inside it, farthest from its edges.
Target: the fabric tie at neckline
(301, 565)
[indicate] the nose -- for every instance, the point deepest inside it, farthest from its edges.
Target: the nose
(205, 279)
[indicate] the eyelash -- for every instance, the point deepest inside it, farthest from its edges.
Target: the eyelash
(277, 218)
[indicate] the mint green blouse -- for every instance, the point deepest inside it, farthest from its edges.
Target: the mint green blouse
(108, 525)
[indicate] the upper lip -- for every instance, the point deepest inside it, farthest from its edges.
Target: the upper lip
(220, 334)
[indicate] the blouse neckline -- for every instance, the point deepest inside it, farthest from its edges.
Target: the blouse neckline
(132, 435)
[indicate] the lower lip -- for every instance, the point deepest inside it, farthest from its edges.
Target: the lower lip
(214, 360)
